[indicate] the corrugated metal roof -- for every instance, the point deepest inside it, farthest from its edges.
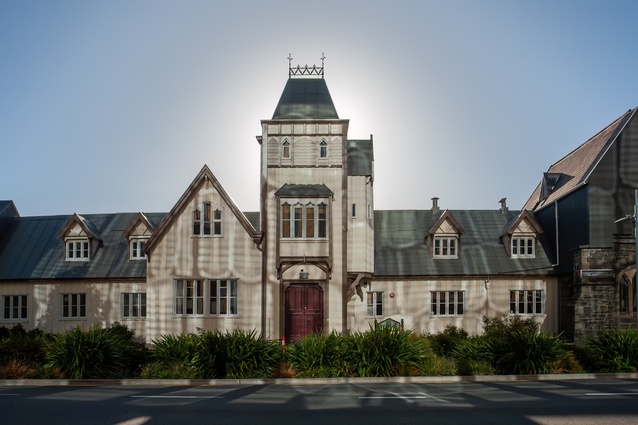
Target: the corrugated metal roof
(360, 157)
(401, 248)
(31, 249)
(305, 98)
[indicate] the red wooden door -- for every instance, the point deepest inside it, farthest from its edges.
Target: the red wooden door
(304, 311)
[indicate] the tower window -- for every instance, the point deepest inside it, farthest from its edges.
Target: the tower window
(285, 149)
(323, 149)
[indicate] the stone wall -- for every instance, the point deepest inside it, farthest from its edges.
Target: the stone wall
(593, 305)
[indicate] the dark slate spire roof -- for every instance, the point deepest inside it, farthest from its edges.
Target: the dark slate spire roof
(305, 98)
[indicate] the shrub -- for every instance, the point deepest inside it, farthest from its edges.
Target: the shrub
(172, 358)
(213, 355)
(444, 343)
(382, 351)
(94, 354)
(29, 348)
(250, 356)
(317, 356)
(526, 351)
(614, 351)
(18, 369)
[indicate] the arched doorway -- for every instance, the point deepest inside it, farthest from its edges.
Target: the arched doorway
(304, 310)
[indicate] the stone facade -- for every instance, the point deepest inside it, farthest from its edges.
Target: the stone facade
(595, 292)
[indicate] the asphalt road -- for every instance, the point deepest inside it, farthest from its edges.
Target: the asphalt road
(545, 402)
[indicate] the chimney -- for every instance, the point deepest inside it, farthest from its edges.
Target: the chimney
(503, 205)
(435, 205)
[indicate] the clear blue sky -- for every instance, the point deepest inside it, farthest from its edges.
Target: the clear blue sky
(114, 106)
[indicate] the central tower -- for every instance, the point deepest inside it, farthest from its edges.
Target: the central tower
(304, 198)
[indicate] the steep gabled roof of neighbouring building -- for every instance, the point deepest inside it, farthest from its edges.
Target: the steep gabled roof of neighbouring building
(305, 98)
(574, 169)
(360, 157)
(401, 248)
(31, 249)
(8, 211)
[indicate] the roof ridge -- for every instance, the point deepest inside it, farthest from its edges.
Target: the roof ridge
(592, 138)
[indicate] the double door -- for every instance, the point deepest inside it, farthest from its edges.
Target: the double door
(304, 310)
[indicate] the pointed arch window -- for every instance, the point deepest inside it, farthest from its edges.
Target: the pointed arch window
(323, 149)
(207, 222)
(285, 149)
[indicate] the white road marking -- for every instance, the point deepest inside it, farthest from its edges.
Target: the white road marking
(174, 396)
(393, 396)
(609, 394)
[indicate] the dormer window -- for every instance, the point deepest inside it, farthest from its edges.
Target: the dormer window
(323, 149)
(445, 247)
(81, 238)
(77, 249)
(136, 248)
(285, 149)
(521, 234)
(523, 246)
(444, 237)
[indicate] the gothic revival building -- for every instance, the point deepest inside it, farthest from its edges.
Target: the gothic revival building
(318, 257)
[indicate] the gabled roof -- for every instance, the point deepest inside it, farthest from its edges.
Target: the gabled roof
(8, 209)
(204, 176)
(305, 98)
(401, 251)
(87, 226)
(31, 249)
(306, 190)
(525, 215)
(575, 168)
(446, 216)
(360, 158)
(141, 217)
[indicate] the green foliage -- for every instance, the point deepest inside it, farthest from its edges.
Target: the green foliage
(475, 356)
(250, 356)
(27, 347)
(512, 345)
(383, 351)
(213, 355)
(500, 326)
(444, 343)
(317, 356)
(528, 352)
(94, 354)
(614, 351)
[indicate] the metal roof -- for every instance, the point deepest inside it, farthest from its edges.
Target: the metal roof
(305, 98)
(401, 249)
(360, 157)
(31, 249)
(295, 190)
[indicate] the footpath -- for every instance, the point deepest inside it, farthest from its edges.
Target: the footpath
(314, 381)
